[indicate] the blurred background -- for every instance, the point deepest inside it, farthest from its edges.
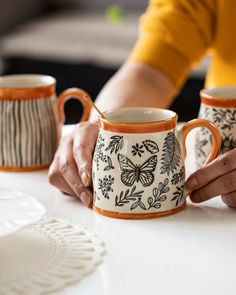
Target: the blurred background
(82, 43)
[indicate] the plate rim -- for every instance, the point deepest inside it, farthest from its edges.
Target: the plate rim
(30, 222)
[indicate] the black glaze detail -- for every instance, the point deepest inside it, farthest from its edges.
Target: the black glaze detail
(178, 195)
(137, 150)
(98, 153)
(129, 196)
(132, 172)
(178, 177)
(109, 164)
(151, 146)
(105, 185)
(159, 195)
(171, 154)
(116, 144)
(225, 118)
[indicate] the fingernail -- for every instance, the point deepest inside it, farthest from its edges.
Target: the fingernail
(85, 179)
(191, 183)
(86, 198)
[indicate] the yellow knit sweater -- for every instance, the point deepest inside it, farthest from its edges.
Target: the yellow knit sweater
(177, 33)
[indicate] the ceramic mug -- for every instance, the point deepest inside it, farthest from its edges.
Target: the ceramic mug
(138, 163)
(218, 105)
(30, 120)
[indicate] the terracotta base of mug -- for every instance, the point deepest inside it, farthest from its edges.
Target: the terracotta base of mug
(23, 168)
(138, 215)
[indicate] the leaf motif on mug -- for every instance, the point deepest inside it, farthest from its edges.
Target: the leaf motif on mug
(172, 154)
(151, 146)
(129, 196)
(132, 172)
(178, 177)
(224, 118)
(109, 166)
(116, 144)
(159, 195)
(178, 195)
(138, 203)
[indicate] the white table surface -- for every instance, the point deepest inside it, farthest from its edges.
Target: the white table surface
(192, 252)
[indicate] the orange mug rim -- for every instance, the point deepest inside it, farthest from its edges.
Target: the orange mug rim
(217, 100)
(138, 127)
(28, 91)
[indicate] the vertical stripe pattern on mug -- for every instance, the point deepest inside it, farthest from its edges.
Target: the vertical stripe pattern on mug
(28, 132)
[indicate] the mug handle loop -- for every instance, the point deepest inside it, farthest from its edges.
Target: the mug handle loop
(78, 94)
(216, 143)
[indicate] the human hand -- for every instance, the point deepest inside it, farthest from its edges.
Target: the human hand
(71, 169)
(216, 178)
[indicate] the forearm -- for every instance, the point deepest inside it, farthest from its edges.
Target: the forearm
(136, 85)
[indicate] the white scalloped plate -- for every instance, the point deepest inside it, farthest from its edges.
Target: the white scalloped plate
(47, 256)
(18, 210)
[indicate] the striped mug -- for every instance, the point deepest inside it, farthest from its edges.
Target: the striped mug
(30, 120)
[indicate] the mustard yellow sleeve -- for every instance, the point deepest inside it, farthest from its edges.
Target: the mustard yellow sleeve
(174, 34)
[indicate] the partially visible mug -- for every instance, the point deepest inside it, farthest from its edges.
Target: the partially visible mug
(30, 120)
(218, 105)
(138, 163)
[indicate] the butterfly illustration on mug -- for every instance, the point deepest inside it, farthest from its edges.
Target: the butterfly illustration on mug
(132, 172)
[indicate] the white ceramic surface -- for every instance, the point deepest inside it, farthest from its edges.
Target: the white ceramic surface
(158, 160)
(192, 252)
(18, 210)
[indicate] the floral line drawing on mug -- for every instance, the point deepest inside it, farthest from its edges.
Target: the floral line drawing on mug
(132, 172)
(137, 149)
(149, 145)
(154, 201)
(98, 154)
(226, 119)
(170, 158)
(218, 105)
(105, 185)
(138, 162)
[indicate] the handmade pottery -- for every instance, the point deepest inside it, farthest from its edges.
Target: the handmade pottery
(218, 105)
(30, 120)
(138, 164)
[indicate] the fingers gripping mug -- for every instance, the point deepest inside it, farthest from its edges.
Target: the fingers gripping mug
(138, 163)
(30, 120)
(218, 105)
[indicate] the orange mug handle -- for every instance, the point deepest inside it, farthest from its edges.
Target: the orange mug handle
(78, 94)
(216, 144)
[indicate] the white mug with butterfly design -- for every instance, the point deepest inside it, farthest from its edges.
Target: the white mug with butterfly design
(138, 163)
